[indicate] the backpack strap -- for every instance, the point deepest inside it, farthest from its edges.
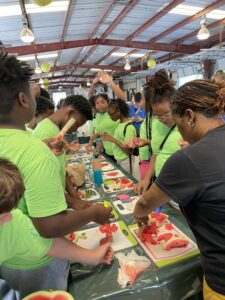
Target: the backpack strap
(166, 137)
(125, 128)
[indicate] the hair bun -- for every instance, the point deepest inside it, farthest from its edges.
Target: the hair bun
(161, 82)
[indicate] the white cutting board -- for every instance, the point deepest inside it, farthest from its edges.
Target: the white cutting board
(126, 207)
(116, 174)
(115, 188)
(163, 257)
(93, 237)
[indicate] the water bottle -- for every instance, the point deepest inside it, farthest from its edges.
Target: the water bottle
(97, 174)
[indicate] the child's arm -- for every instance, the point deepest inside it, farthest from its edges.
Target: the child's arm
(63, 249)
(144, 183)
(111, 139)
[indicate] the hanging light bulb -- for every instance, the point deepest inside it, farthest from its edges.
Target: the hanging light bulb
(203, 33)
(88, 82)
(26, 35)
(37, 69)
(80, 87)
(41, 81)
(127, 66)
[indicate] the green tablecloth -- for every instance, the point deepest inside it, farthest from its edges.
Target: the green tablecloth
(175, 282)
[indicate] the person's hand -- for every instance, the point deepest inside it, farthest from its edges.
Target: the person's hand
(102, 214)
(139, 142)
(79, 204)
(104, 77)
(182, 143)
(95, 80)
(141, 187)
(141, 221)
(129, 144)
(103, 254)
(57, 147)
(107, 137)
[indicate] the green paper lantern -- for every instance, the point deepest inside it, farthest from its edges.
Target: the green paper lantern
(46, 86)
(46, 81)
(151, 63)
(42, 2)
(46, 67)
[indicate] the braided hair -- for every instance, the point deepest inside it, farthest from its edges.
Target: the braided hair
(157, 89)
(203, 96)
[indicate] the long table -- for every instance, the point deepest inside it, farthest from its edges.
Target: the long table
(175, 282)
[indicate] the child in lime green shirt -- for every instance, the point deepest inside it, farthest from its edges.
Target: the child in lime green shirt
(103, 123)
(118, 110)
(78, 108)
(21, 247)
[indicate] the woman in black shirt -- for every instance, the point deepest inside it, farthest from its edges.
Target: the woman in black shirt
(194, 177)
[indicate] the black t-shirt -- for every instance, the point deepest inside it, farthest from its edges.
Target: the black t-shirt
(194, 177)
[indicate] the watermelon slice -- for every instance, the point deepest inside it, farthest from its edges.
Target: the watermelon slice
(176, 242)
(165, 236)
(112, 174)
(160, 218)
(49, 295)
(124, 181)
(104, 165)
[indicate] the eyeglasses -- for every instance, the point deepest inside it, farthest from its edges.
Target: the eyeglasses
(162, 117)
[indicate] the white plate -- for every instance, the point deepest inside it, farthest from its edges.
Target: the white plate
(107, 167)
(106, 175)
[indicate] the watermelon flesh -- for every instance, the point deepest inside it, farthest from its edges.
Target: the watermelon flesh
(160, 218)
(106, 239)
(49, 295)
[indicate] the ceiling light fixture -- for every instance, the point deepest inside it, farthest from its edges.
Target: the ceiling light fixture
(127, 66)
(88, 82)
(203, 33)
(26, 35)
(37, 69)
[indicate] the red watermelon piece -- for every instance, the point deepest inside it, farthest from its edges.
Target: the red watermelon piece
(49, 295)
(112, 174)
(176, 242)
(160, 218)
(108, 228)
(169, 226)
(165, 236)
(72, 236)
(106, 239)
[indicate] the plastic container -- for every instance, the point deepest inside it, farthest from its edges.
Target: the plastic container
(97, 174)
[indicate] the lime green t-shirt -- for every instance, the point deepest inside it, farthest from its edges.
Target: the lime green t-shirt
(118, 153)
(21, 245)
(159, 132)
(105, 124)
(144, 152)
(44, 195)
(47, 129)
(170, 147)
